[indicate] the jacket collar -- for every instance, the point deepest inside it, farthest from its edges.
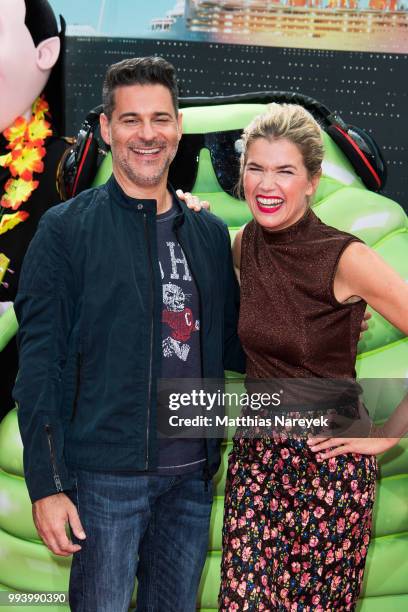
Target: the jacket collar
(181, 206)
(143, 205)
(121, 198)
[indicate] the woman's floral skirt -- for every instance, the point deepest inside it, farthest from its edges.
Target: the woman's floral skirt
(296, 528)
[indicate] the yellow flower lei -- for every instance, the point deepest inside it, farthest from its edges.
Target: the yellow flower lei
(26, 150)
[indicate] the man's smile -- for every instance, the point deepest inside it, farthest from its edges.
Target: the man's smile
(148, 152)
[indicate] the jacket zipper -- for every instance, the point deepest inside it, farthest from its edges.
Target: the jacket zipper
(149, 386)
(78, 384)
(57, 479)
(206, 466)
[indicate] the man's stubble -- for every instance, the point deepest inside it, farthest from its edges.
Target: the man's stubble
(141, 179)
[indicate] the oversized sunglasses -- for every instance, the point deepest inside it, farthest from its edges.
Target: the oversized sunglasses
(225, 152)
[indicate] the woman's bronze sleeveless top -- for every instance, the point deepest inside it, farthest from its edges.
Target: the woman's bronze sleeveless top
(291, 324)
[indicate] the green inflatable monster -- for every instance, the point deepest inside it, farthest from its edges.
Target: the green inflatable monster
(341, 201)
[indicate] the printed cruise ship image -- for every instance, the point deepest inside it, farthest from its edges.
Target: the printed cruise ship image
(352, 25)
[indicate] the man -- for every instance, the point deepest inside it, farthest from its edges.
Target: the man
(120, 286)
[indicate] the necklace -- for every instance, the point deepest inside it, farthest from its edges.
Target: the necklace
(26, 151)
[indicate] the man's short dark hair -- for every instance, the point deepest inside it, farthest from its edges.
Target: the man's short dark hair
(138, 71)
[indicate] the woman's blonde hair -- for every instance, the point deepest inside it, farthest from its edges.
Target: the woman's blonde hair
(291, 122)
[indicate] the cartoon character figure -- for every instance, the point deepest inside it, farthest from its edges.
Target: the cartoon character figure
(180, 319)
(30, 147)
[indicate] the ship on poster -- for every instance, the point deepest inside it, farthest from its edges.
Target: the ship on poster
(344, 25)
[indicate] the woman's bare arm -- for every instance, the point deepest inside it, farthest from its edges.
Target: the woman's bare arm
(362, 273)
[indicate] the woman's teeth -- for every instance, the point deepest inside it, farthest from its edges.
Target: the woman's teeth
(269, 202)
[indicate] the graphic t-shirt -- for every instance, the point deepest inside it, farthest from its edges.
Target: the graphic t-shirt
(181, 351)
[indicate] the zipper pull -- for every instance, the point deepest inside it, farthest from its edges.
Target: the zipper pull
(57, 479)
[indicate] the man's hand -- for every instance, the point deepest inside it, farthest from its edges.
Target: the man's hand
(364, 325)
(50, 515)
(193, 202)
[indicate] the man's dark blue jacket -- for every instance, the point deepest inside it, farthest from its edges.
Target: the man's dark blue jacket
(89, 308)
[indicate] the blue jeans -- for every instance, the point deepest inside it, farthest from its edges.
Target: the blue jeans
(155, 527)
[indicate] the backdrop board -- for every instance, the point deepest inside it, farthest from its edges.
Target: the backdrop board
(368, 89)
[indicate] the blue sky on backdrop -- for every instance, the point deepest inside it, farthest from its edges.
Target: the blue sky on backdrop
(120, 17)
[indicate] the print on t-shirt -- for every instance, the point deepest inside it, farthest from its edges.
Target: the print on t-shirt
(178, 318)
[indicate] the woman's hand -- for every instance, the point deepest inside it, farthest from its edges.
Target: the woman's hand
(364, 324)
(375, 444)
(193, 202)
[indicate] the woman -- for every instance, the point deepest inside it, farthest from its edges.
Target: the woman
(298, 511)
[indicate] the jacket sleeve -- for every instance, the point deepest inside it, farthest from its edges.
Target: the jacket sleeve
(44, 307)
(234, 356)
